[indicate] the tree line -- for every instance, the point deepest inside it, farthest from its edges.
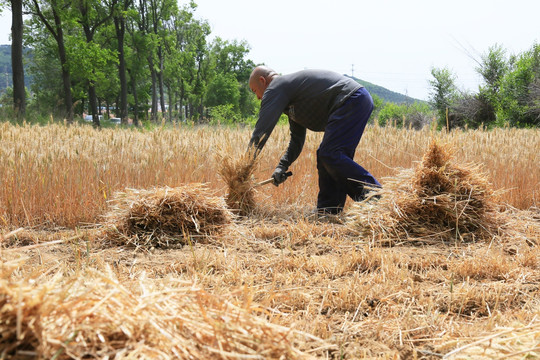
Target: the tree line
(144, 59)
(509, 94)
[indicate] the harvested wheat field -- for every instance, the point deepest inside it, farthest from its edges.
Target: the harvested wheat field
(124, 244)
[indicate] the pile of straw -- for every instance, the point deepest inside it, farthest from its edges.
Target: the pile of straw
(92, 315)
(238, 175)
(165, 216)
(439, 200)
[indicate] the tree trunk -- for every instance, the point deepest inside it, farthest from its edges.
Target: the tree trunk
(201, 110)
(58, 34)
(154, 91)
(19, 93)
(181, 101)
(135, 100)
(120, 26)
(92, 101)
(92, 94)
(160, 79)
(171, 99)
(66, 78)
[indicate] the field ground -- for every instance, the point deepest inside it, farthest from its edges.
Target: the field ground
(278, 283)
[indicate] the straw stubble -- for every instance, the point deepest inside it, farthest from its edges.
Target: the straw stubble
(95, 316)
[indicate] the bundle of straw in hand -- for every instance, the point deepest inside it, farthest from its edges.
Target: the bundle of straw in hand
(238, 175)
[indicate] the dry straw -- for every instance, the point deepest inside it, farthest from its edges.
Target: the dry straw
(165, 216)
(440, 200)
(519, 342)
(94, 316)
(237, 172)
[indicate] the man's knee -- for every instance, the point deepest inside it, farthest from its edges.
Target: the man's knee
(327, 156)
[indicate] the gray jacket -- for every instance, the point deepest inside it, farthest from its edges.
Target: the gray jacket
(307, 97)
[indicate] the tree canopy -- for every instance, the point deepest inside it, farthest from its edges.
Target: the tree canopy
(135, 58)
(509, 93)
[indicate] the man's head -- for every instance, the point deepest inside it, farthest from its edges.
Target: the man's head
(259, 80)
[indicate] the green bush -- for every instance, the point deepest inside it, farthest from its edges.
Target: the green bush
(415, 115)
(520, 91)
(224, 114)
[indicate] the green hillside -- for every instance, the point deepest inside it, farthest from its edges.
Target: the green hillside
(5, 67)
(384, 93)
(6, 74)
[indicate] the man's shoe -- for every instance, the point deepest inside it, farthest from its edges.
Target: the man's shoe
(327, 215)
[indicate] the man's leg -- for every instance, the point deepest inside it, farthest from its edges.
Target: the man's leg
(336, 151)
(332, 196)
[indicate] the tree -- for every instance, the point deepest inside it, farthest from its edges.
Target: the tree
(135, 55)
(149, 45)
(229, 58)
(19, 91)
(186, 52)
(520, 105)
(492, 67)
(473, 110)
(152, 15)
(120, 14)
(137, 65)
(223, 89)
(161, 11)
(50, 14)
(47, 82)
(483, 107)
(442, 93)
(91, 15)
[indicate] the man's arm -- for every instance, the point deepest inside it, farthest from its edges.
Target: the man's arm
(272, 106)
(298, 137)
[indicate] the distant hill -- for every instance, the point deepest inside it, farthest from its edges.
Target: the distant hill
(384, 93)
(6, 78)
(6, 73)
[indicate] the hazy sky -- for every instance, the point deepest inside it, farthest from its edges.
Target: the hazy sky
(389, 42)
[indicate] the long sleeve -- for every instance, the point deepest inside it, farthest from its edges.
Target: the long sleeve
(296, 144)
(272, 106)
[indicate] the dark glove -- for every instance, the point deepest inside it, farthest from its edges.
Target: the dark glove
(280, 175)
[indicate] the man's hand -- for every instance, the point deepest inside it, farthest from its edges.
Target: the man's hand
(280, 175)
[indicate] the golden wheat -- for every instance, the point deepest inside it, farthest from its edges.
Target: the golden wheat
(64, 176)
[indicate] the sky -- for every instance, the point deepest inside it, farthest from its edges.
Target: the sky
(391, 43)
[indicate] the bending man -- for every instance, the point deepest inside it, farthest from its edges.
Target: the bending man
(317, 100)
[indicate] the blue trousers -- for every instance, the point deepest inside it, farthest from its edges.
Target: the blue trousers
(339, 175)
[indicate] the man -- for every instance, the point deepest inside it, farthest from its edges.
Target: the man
(317, 100)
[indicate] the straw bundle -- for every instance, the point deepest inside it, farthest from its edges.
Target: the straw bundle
(439, 200)
(238, 175)
(165, 216)
(94, 316)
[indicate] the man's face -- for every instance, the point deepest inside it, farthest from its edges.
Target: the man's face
(258, 86)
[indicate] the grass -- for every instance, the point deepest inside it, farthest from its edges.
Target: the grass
(275, 283)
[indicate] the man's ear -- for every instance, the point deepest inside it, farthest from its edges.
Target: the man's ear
(262, 80)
